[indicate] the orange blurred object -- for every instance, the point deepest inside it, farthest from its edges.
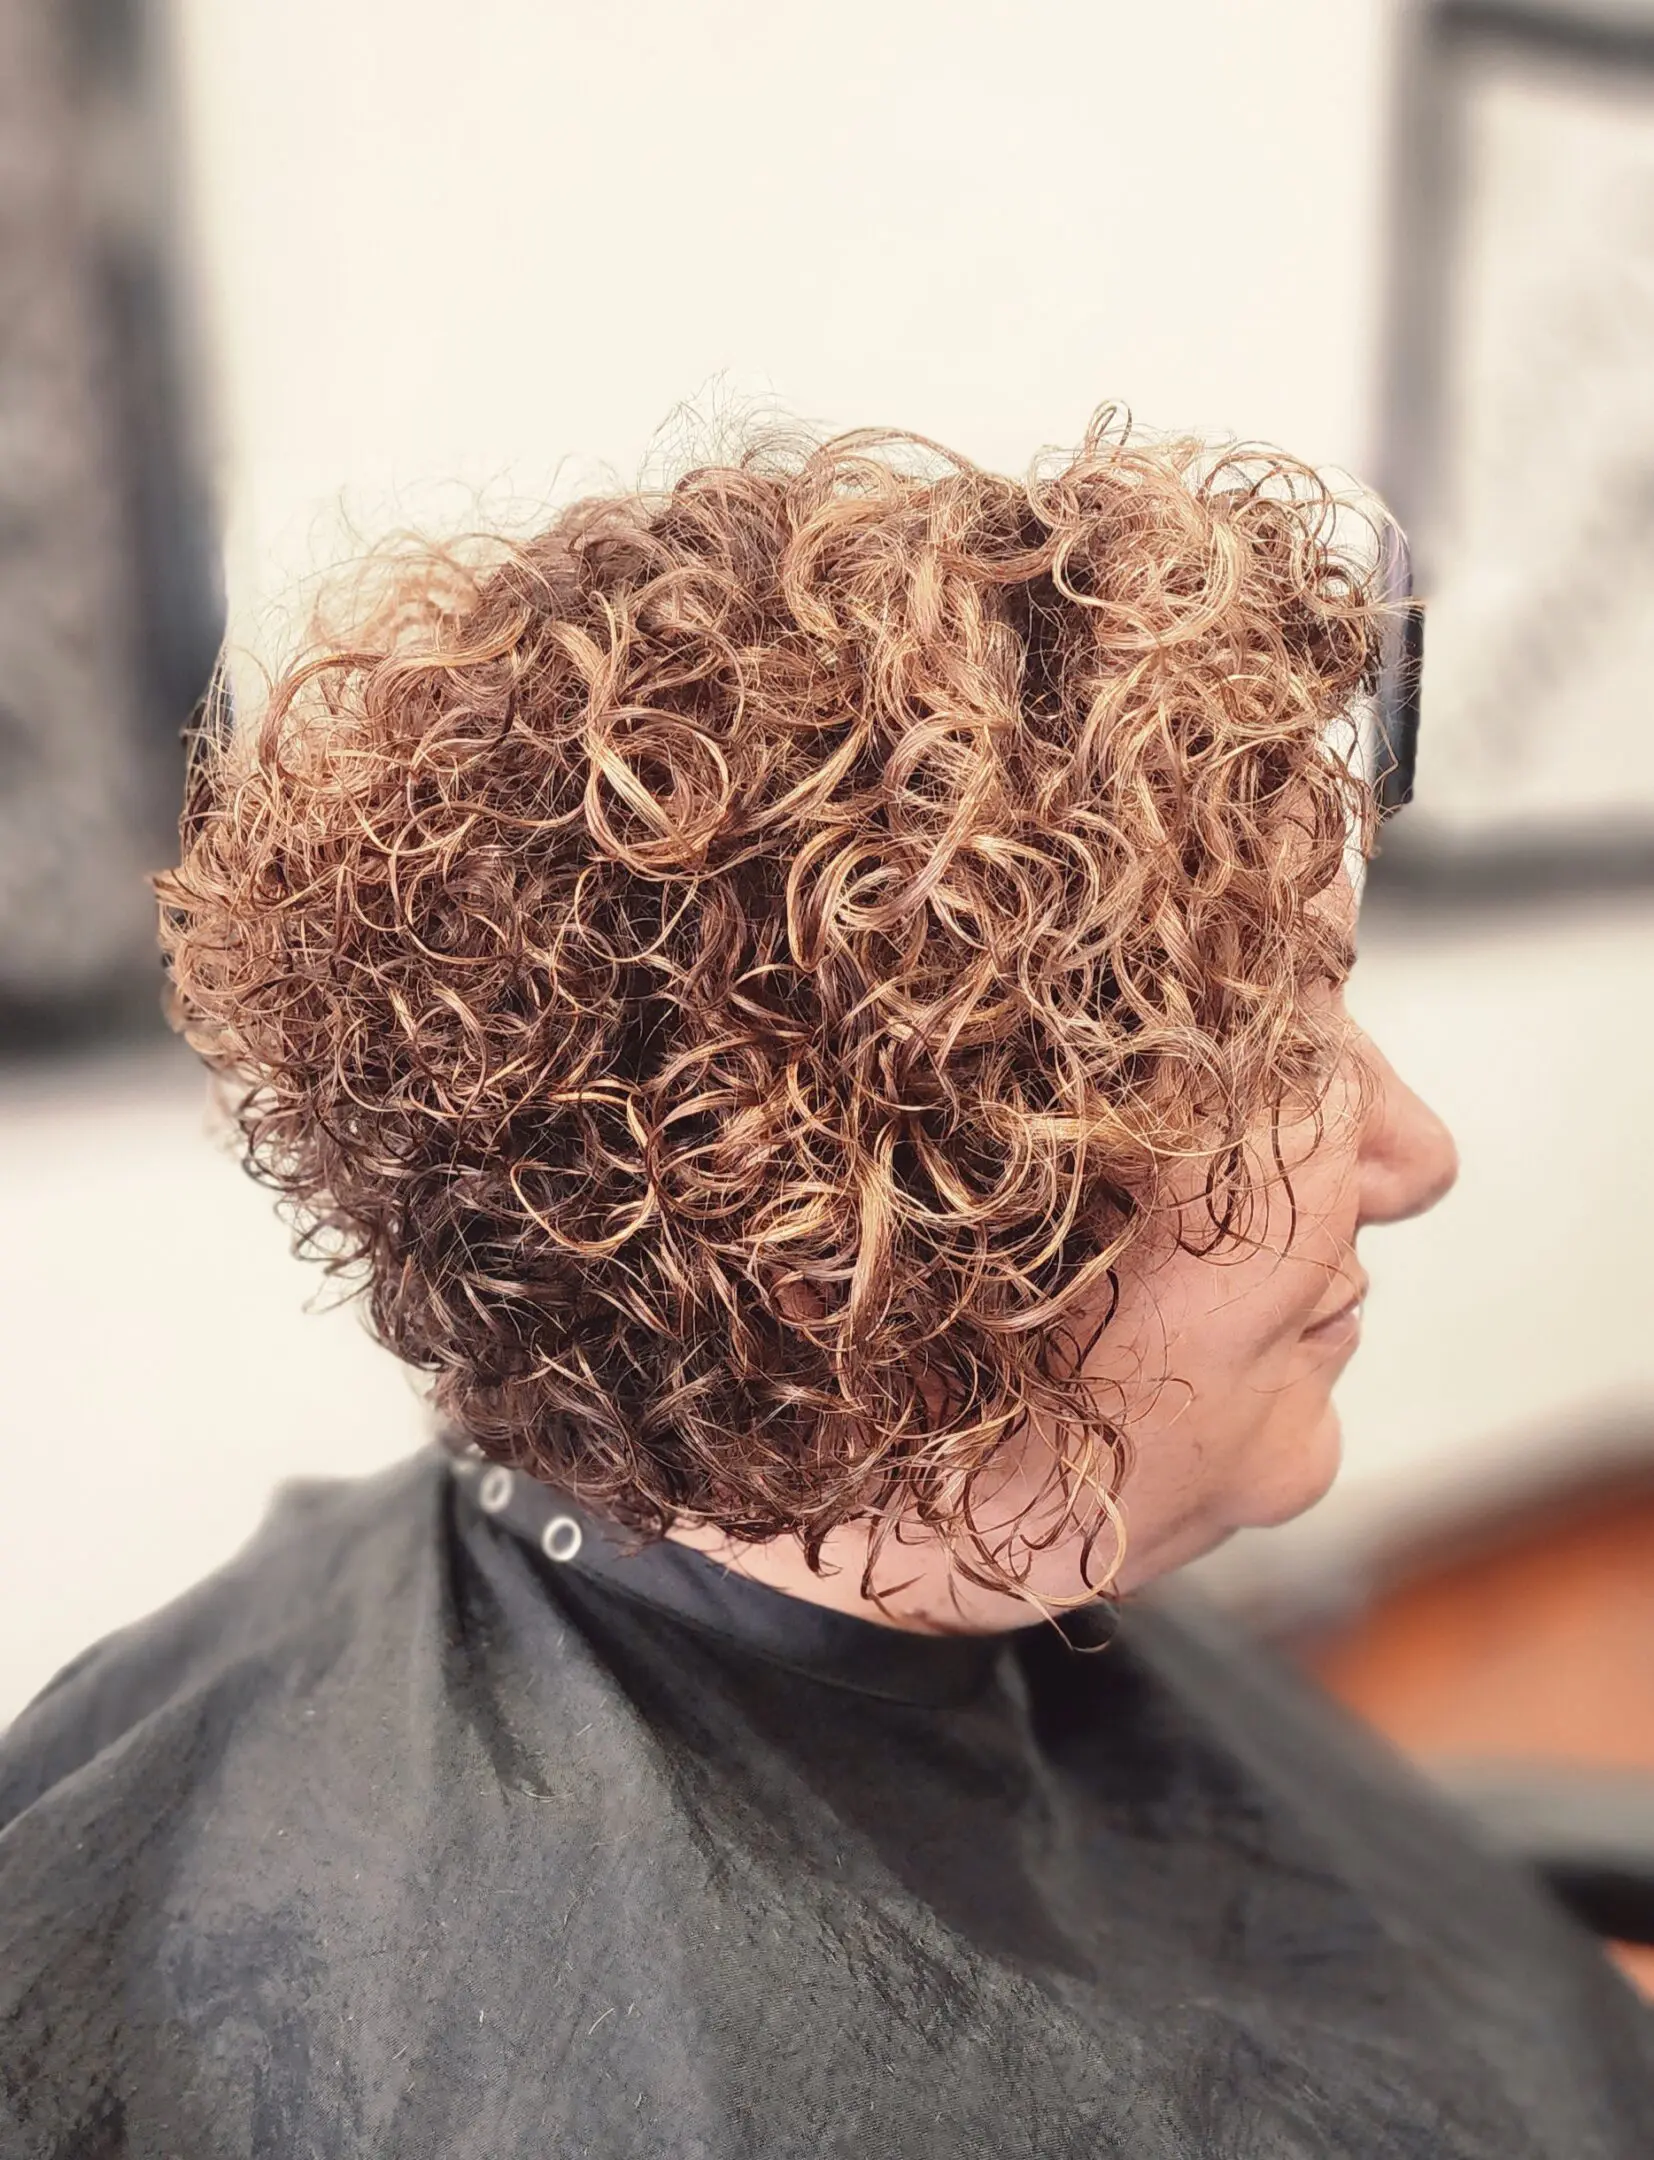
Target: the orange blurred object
(1529, 1639)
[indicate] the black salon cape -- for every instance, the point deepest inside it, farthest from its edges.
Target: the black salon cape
(397, 1837)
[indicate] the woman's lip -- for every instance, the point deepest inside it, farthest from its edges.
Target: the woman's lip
(1347, 1317)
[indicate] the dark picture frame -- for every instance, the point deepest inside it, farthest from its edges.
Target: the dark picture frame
(1449, 50)
(111, 593)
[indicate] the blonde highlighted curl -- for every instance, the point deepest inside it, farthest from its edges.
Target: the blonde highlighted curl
(734, 975)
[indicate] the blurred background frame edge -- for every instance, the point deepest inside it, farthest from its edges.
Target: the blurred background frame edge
(1421, 870)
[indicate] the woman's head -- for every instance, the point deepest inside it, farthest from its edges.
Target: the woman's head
(812, 998)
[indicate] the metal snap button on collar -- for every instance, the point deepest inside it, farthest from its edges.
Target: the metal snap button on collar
(561, 1538)
(495, 1490)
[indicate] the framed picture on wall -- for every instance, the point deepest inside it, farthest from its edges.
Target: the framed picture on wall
(1518, 441)
(110, 608)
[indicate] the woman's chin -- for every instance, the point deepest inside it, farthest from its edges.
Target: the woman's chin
(1306, 1475)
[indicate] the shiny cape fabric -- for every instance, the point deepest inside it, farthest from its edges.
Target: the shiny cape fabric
(398, 1837)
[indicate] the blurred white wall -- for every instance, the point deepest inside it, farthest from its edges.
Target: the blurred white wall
(162, 1371)
(490, 249)
(467, 245)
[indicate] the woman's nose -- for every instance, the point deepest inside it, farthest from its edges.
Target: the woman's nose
(1409, 1159)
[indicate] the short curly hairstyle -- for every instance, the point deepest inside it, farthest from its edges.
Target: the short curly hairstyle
(731, 975)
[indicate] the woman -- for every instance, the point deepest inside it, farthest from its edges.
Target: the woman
(813, 1006)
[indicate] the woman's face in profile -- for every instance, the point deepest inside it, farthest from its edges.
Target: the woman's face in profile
(1221, 1367)
(1236, 1356)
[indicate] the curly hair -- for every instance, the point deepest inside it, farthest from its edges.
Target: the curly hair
(729, 977)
